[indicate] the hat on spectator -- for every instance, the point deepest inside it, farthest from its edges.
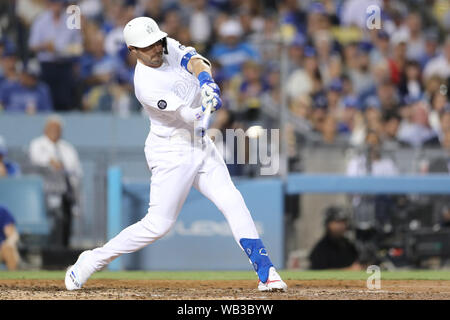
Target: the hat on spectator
(335, 85)
(317, 7)
(410, 99)
(298, 41)
(351, 102)
(310, 51)
(364, 47)
(230, 28)
(372, 102)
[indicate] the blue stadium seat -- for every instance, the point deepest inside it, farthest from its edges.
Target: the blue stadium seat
(24, 198)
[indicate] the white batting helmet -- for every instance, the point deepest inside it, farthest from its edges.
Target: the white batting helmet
(142, 32)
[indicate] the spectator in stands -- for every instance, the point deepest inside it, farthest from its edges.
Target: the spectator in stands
(199, 25)
(439, 65)
(9, 238)
(252, 85)
(360, 75)
(56, 46)
(231, 52)
(154, 9)
(296, 53)
(113, 36)
(410, 84)
(8, 60)
(27, 95)
(415, 129)
(7, 168)
(387, 95)
(266, 42)
(381, 51)
(431, 47)
(439, 102)
(347, 120)
(391, 123)
(416, 42)
(292, 16)
(328, 132)
(58, 157)
(444, 121)
(371, 161)
(301, 81)
(97, 72)
(398, 58)
(334, 99)
(334, 250)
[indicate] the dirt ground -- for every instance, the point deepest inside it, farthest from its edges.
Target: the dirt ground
(102, 289)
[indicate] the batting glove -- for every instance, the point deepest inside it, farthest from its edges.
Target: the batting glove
(210, 92)
(210, 96)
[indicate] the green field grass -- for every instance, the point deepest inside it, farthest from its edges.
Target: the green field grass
(232, 275)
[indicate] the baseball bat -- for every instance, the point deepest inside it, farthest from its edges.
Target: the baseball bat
(201, 129)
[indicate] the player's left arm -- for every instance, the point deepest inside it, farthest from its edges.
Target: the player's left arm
(201, 68)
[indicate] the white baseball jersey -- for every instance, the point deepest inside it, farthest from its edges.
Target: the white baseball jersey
(164, 91)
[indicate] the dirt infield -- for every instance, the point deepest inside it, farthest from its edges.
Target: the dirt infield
(104, 289)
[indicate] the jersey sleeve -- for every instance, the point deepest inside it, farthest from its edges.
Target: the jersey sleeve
(181, 54)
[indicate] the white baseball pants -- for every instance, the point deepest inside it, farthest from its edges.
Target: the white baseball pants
(176, 166)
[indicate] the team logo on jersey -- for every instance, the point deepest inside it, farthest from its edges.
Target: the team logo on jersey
(162, 104)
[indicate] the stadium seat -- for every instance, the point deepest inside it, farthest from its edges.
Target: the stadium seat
(24, 198)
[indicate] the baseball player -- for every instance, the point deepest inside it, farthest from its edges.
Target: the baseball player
(175, 87)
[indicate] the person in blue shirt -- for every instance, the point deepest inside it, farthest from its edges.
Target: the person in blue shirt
(57, 48)
(28, 94)
(231, 52)
(7, 168)
(9, 237)
(8, 61)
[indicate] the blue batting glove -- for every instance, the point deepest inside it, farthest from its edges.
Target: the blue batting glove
(210, 92)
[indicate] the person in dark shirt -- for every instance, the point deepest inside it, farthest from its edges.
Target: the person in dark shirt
(334, 250)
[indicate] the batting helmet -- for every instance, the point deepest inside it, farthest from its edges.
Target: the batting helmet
(142, 32)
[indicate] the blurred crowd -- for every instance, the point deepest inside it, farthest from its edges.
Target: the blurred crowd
(345, 84)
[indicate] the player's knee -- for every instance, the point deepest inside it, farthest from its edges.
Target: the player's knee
(157, 225)
(230, 199)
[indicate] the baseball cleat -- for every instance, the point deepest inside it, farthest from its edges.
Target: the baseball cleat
(78, 274)
(274, 282)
